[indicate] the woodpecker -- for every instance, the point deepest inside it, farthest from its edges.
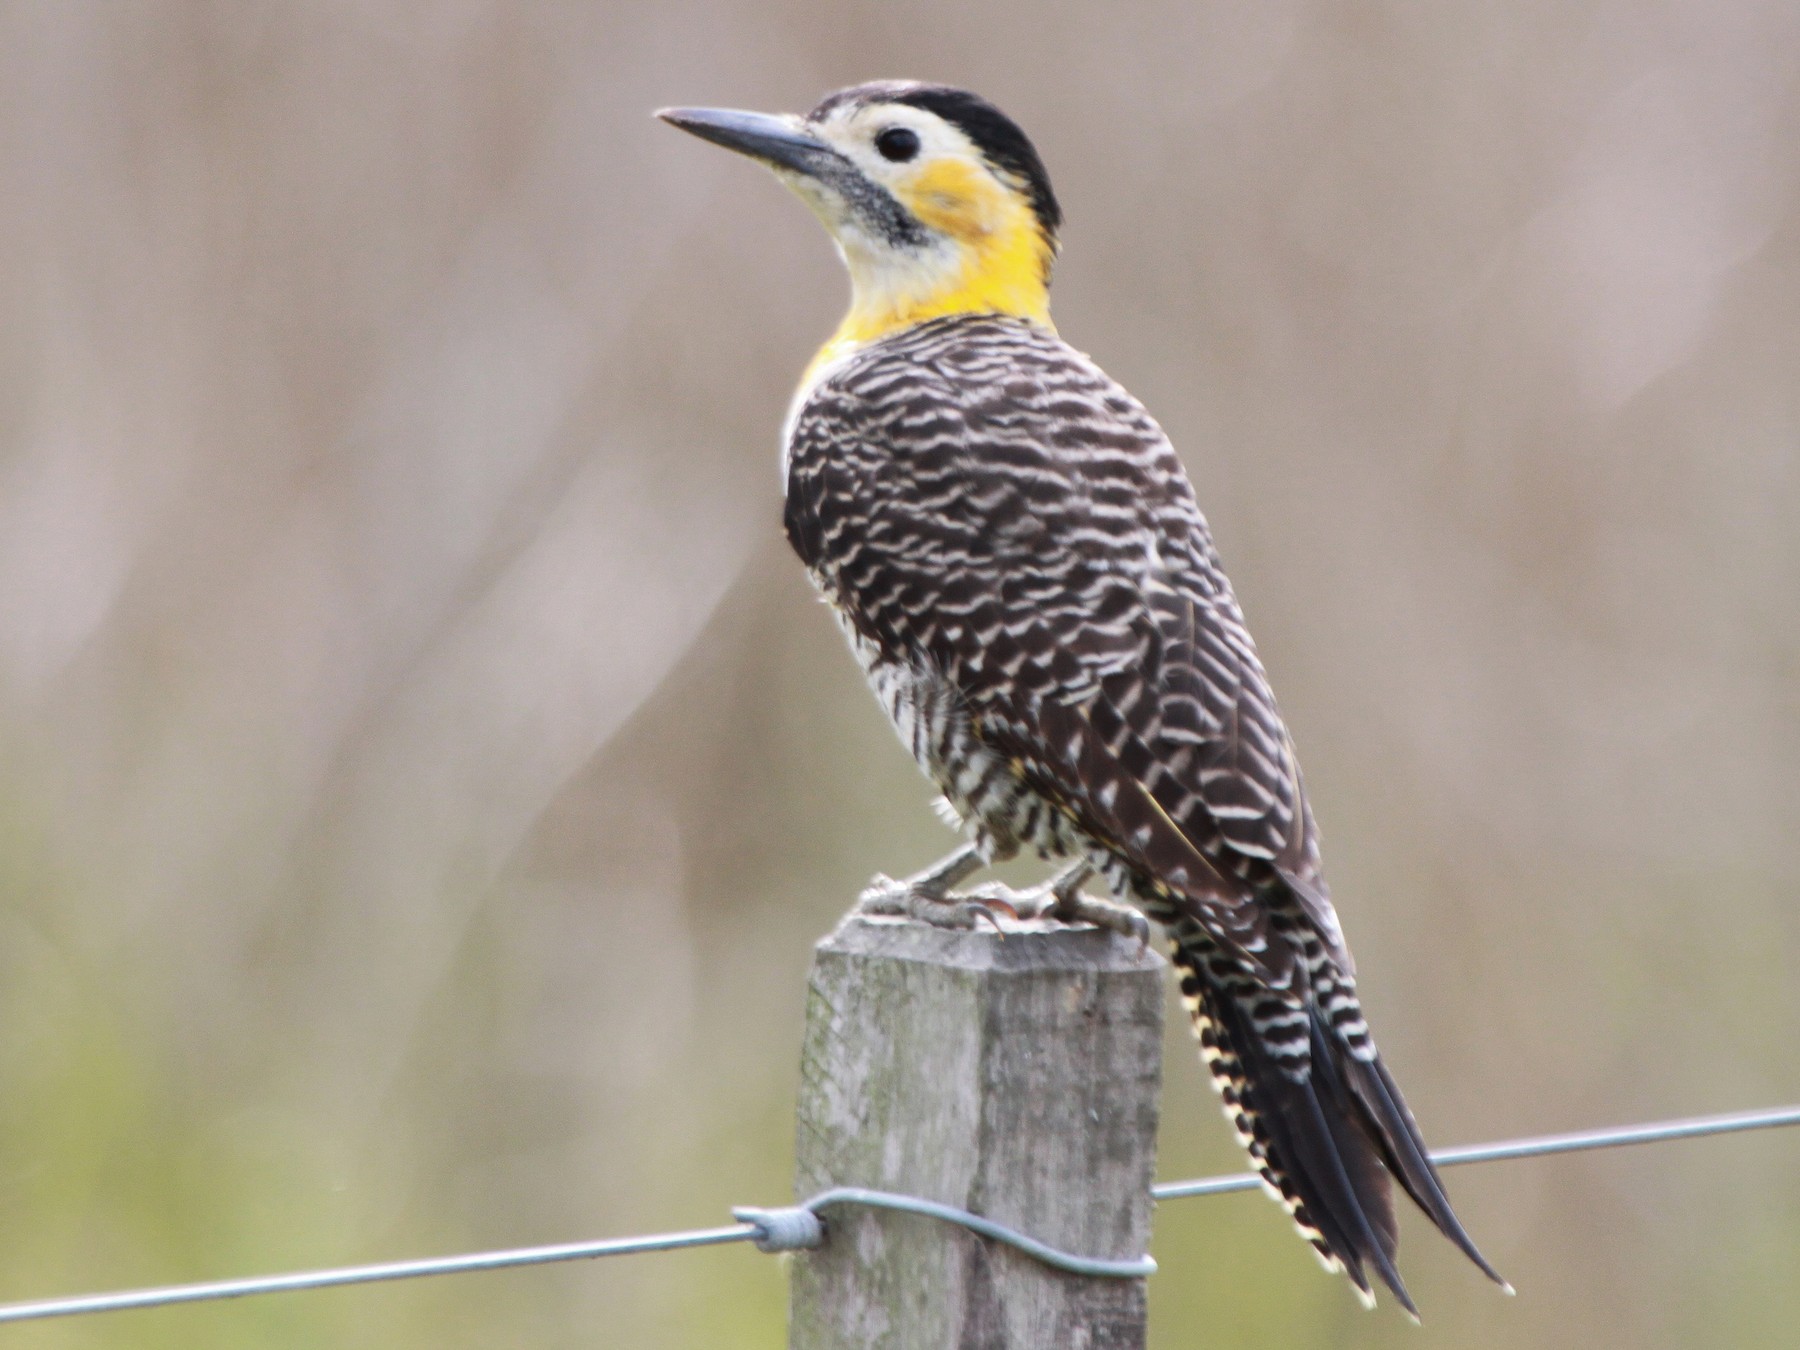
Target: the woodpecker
(1015, 554)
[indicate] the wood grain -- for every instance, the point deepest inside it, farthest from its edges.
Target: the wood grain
(1016, 1077)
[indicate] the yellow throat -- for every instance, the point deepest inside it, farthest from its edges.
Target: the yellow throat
(993, 258)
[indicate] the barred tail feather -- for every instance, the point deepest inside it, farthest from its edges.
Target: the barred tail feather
(1325, 1143)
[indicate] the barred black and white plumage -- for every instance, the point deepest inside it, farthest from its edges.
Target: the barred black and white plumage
(1018, 559)
(1015, 552)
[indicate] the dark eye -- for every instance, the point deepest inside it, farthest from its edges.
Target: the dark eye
(898, 144)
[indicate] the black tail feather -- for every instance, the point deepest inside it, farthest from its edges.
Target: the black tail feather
(1327, 1142)
(1392, 1129)
(1317, 1152)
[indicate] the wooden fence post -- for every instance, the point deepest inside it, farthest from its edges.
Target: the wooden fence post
(1017, 1078)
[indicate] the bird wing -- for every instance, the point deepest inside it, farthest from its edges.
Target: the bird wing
(983, 502)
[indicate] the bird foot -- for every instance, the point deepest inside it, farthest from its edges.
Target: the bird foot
(916, 898)
(1068, 904)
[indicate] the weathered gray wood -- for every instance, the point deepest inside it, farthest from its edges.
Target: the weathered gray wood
(1015, 1078)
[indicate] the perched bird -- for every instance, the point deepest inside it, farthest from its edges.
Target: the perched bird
(1014, 552)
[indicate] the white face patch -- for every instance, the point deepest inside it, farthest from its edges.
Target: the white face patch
(851, 130)
(890, 253)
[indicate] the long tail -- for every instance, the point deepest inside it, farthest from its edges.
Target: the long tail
(1325, 1127)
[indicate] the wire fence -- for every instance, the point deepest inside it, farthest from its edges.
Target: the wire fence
(796, 1227)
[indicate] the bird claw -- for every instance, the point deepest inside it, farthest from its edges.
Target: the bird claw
(924, 898)
(1105, 915)
(1069, 906)
(907, 899)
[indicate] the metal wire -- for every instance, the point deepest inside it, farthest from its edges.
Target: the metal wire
(975, 1223)
(392, 1270)
(767, 1228)
(1574, 1142)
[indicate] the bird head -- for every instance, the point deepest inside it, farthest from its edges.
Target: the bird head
(938, 202)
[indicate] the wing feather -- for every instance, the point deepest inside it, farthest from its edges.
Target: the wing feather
(990, 505)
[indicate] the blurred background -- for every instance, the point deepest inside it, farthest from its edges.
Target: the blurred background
(423, 770)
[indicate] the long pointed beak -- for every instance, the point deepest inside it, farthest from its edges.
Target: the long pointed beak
(775, 140)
